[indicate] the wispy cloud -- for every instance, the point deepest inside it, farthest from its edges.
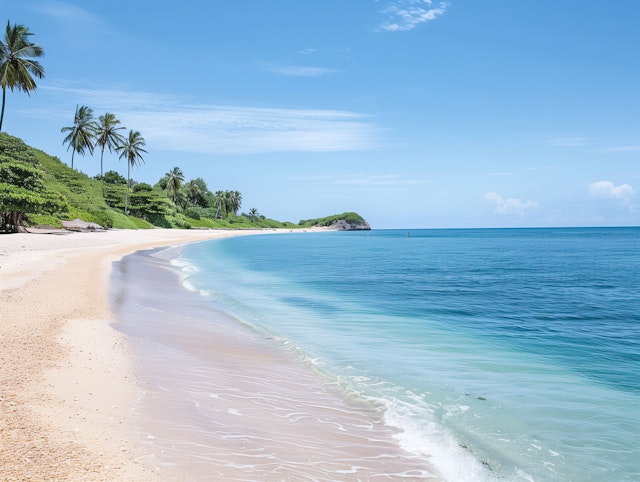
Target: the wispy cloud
(568, 141)
(299, 71)
(380, 180)
(408, 14)
(608, 190)
(360, 179)
(113, 98)
(511, 205)
(622, 149)
(500, 174)
(73, 14)
(172, 123)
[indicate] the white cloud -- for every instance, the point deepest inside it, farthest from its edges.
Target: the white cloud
(500, 174)
(568, 141)
(608, 190)
(408, 14)
(380, 180)
(299, 71)
(622, 149)
(73, 14)
(360, 179)
(113, 98)
(172, 123)
(511, 205)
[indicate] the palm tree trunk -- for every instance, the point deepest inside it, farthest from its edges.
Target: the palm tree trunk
(101, 173)
(126, 202)
(101, 156)
(4, 96)
(73, 153)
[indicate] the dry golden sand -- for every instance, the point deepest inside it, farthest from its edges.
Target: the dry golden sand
(66, 383)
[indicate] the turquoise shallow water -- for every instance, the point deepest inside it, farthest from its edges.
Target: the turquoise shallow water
(514, 350)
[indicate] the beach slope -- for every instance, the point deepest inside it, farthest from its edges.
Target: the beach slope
(66, 382)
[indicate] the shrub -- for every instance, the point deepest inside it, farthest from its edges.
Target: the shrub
(193, 213)
(103, 218)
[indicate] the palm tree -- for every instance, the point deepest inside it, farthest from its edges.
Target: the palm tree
(193, 191)
(253, 214)
(107, 134)
(16, 66)
(131, 149)
(219, 201)
(82, 133)
(234, 201)
(174, 179)
(200, 192)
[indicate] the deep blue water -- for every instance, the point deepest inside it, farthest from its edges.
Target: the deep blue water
(502, 353)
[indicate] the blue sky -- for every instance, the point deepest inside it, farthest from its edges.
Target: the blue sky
(414, 113)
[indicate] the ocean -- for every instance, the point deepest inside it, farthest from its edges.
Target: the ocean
(491, 354)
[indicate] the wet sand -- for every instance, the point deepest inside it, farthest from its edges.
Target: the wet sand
(224, 402)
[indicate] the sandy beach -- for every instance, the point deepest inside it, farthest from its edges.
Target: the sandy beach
(70, 378)
(66, 382)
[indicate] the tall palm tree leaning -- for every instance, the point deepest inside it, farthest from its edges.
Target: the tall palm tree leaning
(107, 135)
(131, 149)
(82, 133)
(16, 66)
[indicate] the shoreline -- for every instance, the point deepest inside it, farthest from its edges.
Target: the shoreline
(225, 401)
(70, 386)
(66, 378)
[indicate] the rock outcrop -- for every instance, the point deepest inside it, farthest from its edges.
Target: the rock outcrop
(344, 225)
(80, 225)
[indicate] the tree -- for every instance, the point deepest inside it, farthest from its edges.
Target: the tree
(107, 134)
(22, 190)
(194, 192)
(253, 214)
(173, 180)
(233, 201)
(148, 203)
(131, 150)
(16, 64)
(112, 177)
(219, 202)
(82, 133)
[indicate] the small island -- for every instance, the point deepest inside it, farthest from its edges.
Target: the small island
(340, 222)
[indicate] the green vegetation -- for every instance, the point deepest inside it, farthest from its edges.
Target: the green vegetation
(350, 218)
(16, 63)
(39, 190)
(131, 150)
(22, 190)
(81, 133)
(107, 135)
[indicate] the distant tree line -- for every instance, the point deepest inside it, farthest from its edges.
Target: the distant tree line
(192, 198)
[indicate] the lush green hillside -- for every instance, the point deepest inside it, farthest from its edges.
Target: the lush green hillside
(83, 195)
(44, 191)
